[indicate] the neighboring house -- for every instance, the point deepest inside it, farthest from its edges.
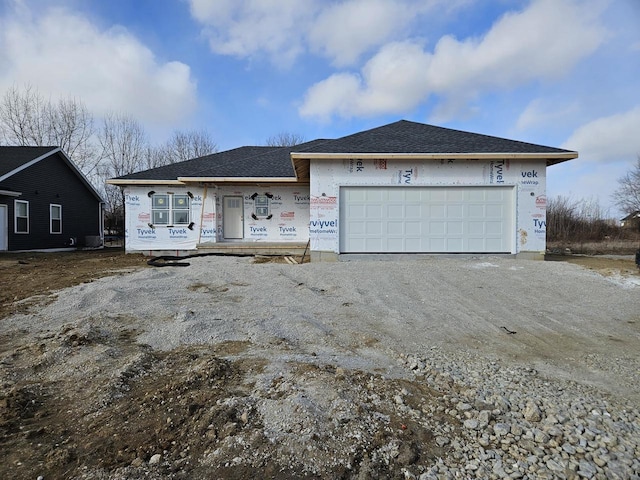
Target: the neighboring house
(631, 221)
(45, 201)
(405, 187)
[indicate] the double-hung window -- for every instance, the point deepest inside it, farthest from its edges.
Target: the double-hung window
(55, 218)
(261, 206)
(170, 209)
(21, 216)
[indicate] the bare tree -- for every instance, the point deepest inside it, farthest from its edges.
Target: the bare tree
(627, 196)
(285, 139)
(124, 146)
(27, 119)
(187, 145)
(124, 143)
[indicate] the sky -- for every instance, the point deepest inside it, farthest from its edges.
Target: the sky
(561, 73)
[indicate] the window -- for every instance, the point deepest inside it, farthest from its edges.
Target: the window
(170, 209)
(55, 218)
(21, 212)
(261, 205)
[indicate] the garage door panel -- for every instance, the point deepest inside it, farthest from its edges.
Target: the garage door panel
(455, 195)
(412, 244)
(395, 228)
(494, 228)
(495, 211)
(412, 210)
(357, 228)
(375, 195)
(413, 228)
(455, 228)
(426, 219)
(437, 211)
(437, 195)
(395, 211)
(476, 244)
(437, 244)
(492, 244)
(476, 211)
(477, 195)
(356, 211)
(454, 245)
(373, 245)
(356, 195)
(494, 195)
(437, 228)
(374, 211)
(455, 211)
(476, 228)
(373, 228)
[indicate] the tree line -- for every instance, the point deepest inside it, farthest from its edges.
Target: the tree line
(113, 146)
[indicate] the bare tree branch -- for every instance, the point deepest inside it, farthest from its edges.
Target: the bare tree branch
(627, 196)
(187, 145)
(285, 139)
(27, 119)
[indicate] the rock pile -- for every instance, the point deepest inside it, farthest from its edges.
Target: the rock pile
(517, 424)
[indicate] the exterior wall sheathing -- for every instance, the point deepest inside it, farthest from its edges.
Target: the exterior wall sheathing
(527, 177)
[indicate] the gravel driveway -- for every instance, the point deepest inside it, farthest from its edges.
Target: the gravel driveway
(509, 346)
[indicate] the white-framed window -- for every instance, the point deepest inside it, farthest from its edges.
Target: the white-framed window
(55, 218)
(261, 206)
(170, 209)
(21, 216)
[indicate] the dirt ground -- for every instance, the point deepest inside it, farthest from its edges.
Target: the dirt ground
(115, 414)
(36, 275)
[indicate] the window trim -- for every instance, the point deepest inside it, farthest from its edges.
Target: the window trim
(51, 219)
(16, 217)
(170, 209)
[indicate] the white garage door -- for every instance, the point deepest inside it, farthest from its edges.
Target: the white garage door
(426, 219)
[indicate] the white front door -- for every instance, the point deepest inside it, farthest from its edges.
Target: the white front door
(232, 218)
(4, 228)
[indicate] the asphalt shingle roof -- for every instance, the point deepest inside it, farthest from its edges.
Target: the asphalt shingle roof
(230, 163)
(258, 161)
(411, 137)
(14, 157)
(399, 137)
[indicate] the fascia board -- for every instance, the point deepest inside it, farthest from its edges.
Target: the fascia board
(24, 166)
(115, 181)
(238, 179)
(437, 156)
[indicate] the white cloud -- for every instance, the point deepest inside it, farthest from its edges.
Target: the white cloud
(245, 28)
(345, 30)
(543, 42)
(63, 54)
(608, 139)
(542, 112)
(341, 30)
(380, 89)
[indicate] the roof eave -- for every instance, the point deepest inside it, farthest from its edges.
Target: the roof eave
(10, 193)
(238, 179)
(135, 181)
(551, 158)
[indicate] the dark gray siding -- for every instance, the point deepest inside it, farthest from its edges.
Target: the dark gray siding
(51, 181)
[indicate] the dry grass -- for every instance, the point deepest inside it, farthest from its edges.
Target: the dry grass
(604, 247)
